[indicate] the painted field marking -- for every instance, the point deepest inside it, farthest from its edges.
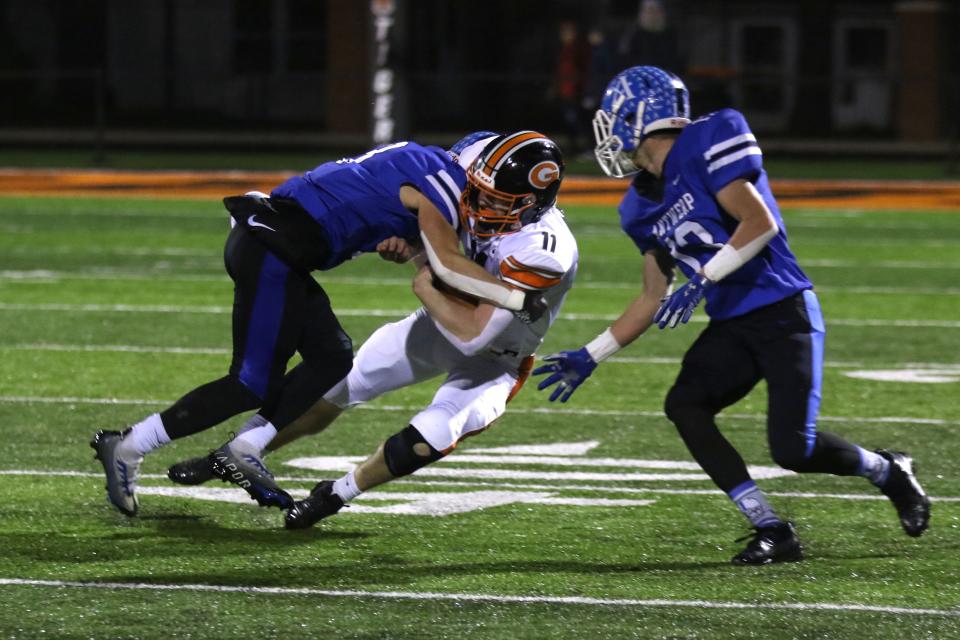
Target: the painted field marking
(586, 488)
(343, 464)
(920, 368)
(433, 503)
(115, 348)
(109, 273)
(939, 375)
(399, 313)
(113, 250)
(482, 597)
(513, 410)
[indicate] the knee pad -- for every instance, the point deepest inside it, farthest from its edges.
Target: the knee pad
(407, 451)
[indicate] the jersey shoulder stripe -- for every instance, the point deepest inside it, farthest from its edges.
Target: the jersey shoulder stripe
(452, 188)
(443, 192)
(733, 156)
(730, 140)
(523, 276)
(716, 150)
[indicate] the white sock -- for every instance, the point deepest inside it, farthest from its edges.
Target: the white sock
(346, 487)
(257, 437)
(256, 420)
(873, 467)
(144, 437)
(753, 504)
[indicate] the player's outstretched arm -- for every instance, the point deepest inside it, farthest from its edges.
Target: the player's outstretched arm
(568, 369)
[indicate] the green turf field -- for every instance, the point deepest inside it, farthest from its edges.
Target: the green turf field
(584, 520)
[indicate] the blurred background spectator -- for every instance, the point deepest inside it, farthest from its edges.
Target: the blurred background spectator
(569, 83)
(651, 39)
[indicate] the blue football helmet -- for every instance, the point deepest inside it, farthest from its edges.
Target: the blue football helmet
(636, 103)
(468, 141)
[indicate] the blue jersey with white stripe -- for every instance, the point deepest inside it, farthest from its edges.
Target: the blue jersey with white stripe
(709, 154)
(357, 200)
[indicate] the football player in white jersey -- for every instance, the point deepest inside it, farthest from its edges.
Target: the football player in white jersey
(512, 227)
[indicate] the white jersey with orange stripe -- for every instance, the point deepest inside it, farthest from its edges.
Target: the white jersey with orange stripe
(540, 256)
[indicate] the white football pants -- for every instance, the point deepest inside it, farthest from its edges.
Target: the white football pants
(473, 395)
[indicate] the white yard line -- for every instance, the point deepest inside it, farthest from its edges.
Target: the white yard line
(398, 313)
(480, 597)
(830, 263)
(113, 250)
(514, 410)
(119, 348)
(586, 488)
(132, 348)
(107, 273)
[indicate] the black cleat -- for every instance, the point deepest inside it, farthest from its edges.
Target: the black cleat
(777, 543)
(906, 494)
(321, 503)
(245, 469)
(192, 472)
(121, 471)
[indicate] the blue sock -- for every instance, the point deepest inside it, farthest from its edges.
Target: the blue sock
(753, 504)
(873, 467)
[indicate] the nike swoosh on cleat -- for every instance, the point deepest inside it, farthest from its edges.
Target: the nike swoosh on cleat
(253, 223)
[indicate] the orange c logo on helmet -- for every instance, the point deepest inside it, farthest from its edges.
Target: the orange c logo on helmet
(543, 174)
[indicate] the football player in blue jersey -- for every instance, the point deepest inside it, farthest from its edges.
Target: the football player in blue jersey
(314, 221)
(481, 354)
(701, 201)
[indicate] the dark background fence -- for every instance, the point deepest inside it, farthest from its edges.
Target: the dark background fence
(303, 73)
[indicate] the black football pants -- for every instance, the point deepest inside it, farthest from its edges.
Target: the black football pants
(783, 344)
(277, 311)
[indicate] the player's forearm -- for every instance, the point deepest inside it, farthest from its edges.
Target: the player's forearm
(458, 271)
(756, 226)
(456, 316)
(470, 329)
(635, 319)
(638, 316)
(749, 239)
(498, 321)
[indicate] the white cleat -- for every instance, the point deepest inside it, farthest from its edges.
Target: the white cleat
(121, 471)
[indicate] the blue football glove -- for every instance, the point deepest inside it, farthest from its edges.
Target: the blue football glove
(568, 370)
(679, 306)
